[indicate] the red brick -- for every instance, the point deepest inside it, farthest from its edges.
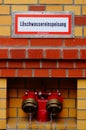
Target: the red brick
(66, 64)
(52, 53)
(35, 53)
(13, 42)
(32, 64)
(70, 53)
(17, 53)
(75, 42)
(75, 73)
(46, 42)
(80, 64)
(15, 64)
(8, 72)
(80, 20)
(58, 73)
(49, 64)
(3, 53)
(3, 64)
(37, 8)
(24, 73)
(83, 54)
(41, 73)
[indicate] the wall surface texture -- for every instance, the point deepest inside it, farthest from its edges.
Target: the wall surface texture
(51, 58)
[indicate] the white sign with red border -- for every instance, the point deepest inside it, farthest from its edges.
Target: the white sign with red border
(43, 24)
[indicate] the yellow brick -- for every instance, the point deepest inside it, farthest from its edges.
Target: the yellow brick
(69, 103)
(19, 8)
(3, 113)
(0, 1)
(21, 92)
(2, 124)
(81, 83)
(54, 8)
(12, 92)
(3, 93)
(11, 123)
(71, 124)
(21, 113)
(72, 113)
(12, 112)
(84, 10)
(81, 125)
(63, 113)
(78, 31)
(3, 83)
(80, 1)
(64, 93)
(81, 114)
(81, 93)
(84, 31)
(72, 93)
(20, 1)
(60, 125)
(75, 9)
(22, 123)
(15, 102)
(3, 103)
(41, 126)
(55, 1)
(48, 126)
(5, 31)
(81, 104)
(5, 20)
(7, 113)
(34, 125)
(4, 9)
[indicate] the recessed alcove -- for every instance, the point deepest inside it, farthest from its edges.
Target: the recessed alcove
(17, 119)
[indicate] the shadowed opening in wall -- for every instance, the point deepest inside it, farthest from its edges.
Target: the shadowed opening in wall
(18, 119)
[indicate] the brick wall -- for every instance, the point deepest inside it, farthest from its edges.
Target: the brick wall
(8, 6)
(51, 58)
(81, 105)
(3, 103)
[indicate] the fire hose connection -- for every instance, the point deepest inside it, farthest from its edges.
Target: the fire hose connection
(29, 105)
(42, 103)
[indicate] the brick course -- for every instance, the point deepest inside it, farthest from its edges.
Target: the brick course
(20, 2)
(55, 2)
(54, 54)
(26, 68)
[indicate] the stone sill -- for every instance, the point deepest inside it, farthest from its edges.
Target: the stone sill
(23, 124)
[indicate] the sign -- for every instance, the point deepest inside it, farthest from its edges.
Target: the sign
(42, 24)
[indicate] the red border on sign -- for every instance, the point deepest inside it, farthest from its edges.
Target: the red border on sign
(46, 16)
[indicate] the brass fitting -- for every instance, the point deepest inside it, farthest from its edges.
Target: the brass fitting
(29, 105)
(54, 106)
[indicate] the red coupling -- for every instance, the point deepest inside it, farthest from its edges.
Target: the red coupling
(42, 103)
(54, 104)
(29, 104)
